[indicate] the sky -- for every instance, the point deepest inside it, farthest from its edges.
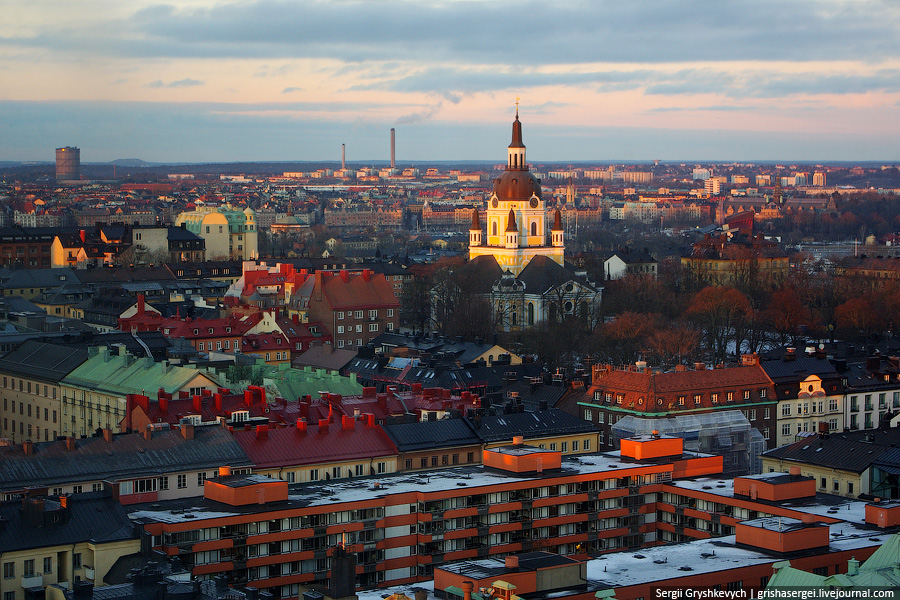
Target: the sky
(597, 80)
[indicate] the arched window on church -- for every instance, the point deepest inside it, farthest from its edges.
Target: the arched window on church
(494, 228)
(531, 313)
(514, 319)
(534, 228)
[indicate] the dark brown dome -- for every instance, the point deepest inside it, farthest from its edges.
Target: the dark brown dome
(517, 185)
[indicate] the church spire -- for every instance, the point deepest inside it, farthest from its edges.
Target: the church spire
(516, 149)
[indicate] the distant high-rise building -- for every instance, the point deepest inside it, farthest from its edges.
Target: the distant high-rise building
(819, 179)
(68, 163)
(393, 148)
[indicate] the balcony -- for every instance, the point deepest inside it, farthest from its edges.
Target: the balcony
(35, 581)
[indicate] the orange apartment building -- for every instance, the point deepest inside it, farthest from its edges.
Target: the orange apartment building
(522, 499)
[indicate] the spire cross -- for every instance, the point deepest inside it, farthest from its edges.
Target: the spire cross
(517, 106)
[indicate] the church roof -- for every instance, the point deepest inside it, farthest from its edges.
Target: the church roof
(542, 273)
(557, 221)
(516, 133)
(511, 222)
(517, 185)
(479, 274)
(476, 224)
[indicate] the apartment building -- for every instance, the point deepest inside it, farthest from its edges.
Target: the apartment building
(31, 390)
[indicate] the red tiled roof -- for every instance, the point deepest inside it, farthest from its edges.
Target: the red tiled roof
(288, 446)
(349, 291)
(646, 391)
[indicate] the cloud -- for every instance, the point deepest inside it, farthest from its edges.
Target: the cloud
(290, 90)
(419, 116)
(174, 84)
(529, 32)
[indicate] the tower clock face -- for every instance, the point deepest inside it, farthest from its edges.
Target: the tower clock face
(495, 203)
(534, 203)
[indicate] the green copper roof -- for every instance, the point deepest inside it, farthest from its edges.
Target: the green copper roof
(116, 372)
(293, 383)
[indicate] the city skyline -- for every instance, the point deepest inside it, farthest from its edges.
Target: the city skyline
(209, 81)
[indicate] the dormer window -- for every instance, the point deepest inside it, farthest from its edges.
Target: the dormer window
(211, 330)
(196, 332)
(228, 330)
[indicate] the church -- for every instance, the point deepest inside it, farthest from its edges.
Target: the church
(518, 266)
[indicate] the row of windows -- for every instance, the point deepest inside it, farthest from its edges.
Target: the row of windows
(23, 408)
(698, 398)
(373, 314)
(445, 459)
(805, 408)
(359, 328)
(25, 386)
(28, 567)
(338, 472)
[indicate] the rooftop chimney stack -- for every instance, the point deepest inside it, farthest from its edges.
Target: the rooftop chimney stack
(393, 147)
(343, 156)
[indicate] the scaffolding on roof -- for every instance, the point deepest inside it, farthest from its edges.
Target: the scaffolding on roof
(727, 433)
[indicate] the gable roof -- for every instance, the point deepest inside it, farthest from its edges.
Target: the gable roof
(545, 423)
(126, 456)
(43, 361)
(424, 435)
(94, 516)
(288, 446)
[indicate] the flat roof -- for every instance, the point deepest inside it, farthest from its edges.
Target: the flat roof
(357, 489)
(777, 478)
(521, 450)
(779, 524)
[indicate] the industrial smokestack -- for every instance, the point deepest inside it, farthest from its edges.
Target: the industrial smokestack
(393, 156)
(343, 156)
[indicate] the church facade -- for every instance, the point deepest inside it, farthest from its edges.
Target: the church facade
(516, 216)
(520, 267)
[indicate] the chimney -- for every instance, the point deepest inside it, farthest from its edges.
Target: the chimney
(262, 432)
(795, 471)
(163, 401)
(217, 398)
(148, 433)
(70, 443)
(367, 275)
(187, 430)
(140, 304)
(345, 276)
(82, 235)
(467, 587)
(853, 566)
(224, 471)
(518, 440)
(347, 423)
(512, 562)
(28, 446)
(323, 425)
(108, 435)
(393, 159)
(198, 404)
(301, 426)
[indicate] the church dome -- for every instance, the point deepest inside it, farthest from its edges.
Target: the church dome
(516, 185)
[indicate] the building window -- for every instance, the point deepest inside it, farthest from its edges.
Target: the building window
(390, 312)
(729, 396)
(762, 393)
(48, 565)
(587, 445)
(313, 474)
(850, 487)
(574, 445)
(588, 414)
(786, 410)
(28, 568)
(823, 483)
(76, 560)
(423, 462)
(786, 429)
(201, 478)
(182, 481)
(9, 570)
